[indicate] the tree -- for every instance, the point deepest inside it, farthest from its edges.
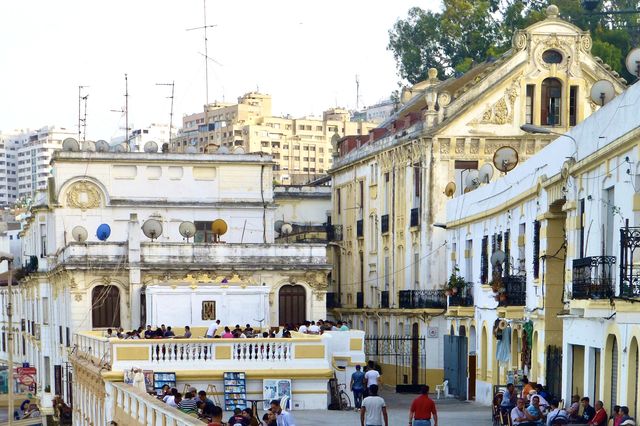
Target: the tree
(467, 32)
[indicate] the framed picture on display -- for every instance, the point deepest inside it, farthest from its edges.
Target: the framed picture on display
(208, 310)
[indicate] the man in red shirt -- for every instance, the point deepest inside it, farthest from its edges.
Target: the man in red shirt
(600, 419)
(423, 409)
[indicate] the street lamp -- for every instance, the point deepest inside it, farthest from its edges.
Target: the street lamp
(9, 258)
(530, 128)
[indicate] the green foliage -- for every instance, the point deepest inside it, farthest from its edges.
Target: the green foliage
(467, 32)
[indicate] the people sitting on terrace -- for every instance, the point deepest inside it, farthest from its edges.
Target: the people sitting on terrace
(247, 413)
(304, 327)
(216, 417)
(187, 332)
(269, 419)
(148, 333)
(314, 328)
(205, 405)
(227, 333)
(171, 398)
(535, 410)
(109, 333)
(509, 398)
(237, 418)
(248, 331)
(189, 405)
(169, 333)
(558, 415)
(120, 333)
(211, 331)
(574, 409)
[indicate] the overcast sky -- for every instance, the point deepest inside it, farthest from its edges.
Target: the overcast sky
(306, 54)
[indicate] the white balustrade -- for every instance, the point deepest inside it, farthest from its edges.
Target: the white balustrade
(261, 350)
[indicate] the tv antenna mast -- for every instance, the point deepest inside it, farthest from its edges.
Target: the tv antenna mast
(125, 110)
(82, 119)
(173, 85)
(206, 48)
(357, 92)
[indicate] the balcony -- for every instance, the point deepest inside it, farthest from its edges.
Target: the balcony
(359, 300)
(463, 298)
(333, 300)
(593, 277)
(422, 299)
(334, 232)
(360, 228)
(515, 293)
(384, 223)
(384, 299)
(629, 268)
(415, 217)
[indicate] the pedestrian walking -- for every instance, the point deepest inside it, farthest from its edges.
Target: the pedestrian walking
(374, 409)
(357, 386)
(423, 410)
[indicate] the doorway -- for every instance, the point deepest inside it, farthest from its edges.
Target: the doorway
(292, 302)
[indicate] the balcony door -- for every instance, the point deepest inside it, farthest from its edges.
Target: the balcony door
(608, 233)
(105, 302)
(292, 302)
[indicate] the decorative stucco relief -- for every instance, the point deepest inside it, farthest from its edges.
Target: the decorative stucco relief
(501, 112)
(83, 195)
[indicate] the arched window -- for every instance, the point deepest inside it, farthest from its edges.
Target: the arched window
(292, 303)
(483, 354)
(105, 306)
(551, 105)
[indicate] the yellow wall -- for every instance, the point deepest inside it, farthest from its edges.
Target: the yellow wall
(577, 382)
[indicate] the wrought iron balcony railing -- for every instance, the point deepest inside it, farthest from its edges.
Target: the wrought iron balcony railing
(629, 262)
(415, 217)
(334, 232)
(593, 277)
(333, 300)
(384, 223)
(360, 228)
(463, 297)
(422, 299)
(384, 299)
(515, 290)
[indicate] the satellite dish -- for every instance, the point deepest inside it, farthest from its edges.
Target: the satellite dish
(222, 150)
(150, 147)
(498, 257)
(102, 146)
(152, 228)
(187, 230)
(485, 173)
(472, 181)
(70, 145)
(191, 150)
(89, 146)
(633, 62)
(210, 148)
(103, 232)
(122, 147)
(218, 227)
(278, 225)
(286, 229)
(505, 159)
(566, 168)
(602, 92)
(450, 189)
(79, 234)
(238, 150)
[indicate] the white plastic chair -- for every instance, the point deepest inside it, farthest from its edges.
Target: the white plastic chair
(444, 388)
(283, 402)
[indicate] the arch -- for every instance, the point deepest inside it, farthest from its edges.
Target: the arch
(632, 378)
(105, 306)
(292, 304)
(611, 371)
(462, 331)
(551, 102)
(452, 330)
(484, 356)
(69, 185)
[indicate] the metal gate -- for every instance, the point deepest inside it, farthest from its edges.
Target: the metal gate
(455, 365)
(554, 370)
(404, 358)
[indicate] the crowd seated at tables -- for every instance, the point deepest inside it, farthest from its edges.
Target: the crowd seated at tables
(534, 406)
(216, 330)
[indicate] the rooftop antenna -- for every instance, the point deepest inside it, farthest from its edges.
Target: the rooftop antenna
(125, 110)
(82, 120)
(173, 85)
(357, 92)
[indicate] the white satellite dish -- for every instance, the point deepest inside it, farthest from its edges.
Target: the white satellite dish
(150, 147)
(79, 234)
(122, 147)
(472, 181)
(102, 146)
(191, 150)
(505, 159)
(237, 150)
(498, 257)
(485, 173)
(222, 150)
(277, 225)
(602, 92)
(633, 62)
(152, 229)
(286, 229)
(187, 229)
(71, 145)
(89, 146)
(566, 168)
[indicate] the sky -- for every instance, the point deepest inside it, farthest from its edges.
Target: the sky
(305, 53)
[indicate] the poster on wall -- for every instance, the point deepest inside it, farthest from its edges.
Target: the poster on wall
(276, 389)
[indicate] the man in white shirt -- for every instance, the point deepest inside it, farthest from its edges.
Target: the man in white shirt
(371, 377)
(283, 418)
(314, 328)
(374, 409)
(304, 328)
(211, 331)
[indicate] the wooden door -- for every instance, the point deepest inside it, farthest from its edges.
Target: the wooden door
(472, 377)
(105, 302)
(292, 302)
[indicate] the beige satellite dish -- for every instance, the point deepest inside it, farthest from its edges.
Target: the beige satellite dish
(505, 159)
(187, 230)
(79, 233)
(89, 146)
(566, 168)
(70, 145)
(485, 173)
(218, 228)
(633, 62)
(472, 181)
(602, 92)
(211, 148)
(152, 228)
(450, 189)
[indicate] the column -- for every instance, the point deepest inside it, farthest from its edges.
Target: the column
(134, 273)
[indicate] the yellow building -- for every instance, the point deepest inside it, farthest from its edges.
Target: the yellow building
(300, 147)
(388, 187)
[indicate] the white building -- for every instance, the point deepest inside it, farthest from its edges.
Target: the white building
(568, 221)
(158, 133)
(9, 145)
(128, 280)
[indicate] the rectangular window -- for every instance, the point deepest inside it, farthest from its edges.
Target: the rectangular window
(529, 104)
(387, 273)
(522, 264)
(416, 269)
(573, 105)
(507, 253)
(484, 260)
(581, 228)
(417, 176)
(536, 249)
(43, 240)
(468, 261)
(47, 373)
(45, 310)
(361, 197)
(387, 195)
(338, 201)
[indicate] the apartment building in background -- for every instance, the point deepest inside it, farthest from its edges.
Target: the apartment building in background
(300, 147)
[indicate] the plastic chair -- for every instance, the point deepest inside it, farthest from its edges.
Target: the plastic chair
(283, 402)
(444, 388)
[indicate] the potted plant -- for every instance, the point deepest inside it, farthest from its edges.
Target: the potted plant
(455, 282)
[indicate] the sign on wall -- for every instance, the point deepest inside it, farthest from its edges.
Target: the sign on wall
(208, 310)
